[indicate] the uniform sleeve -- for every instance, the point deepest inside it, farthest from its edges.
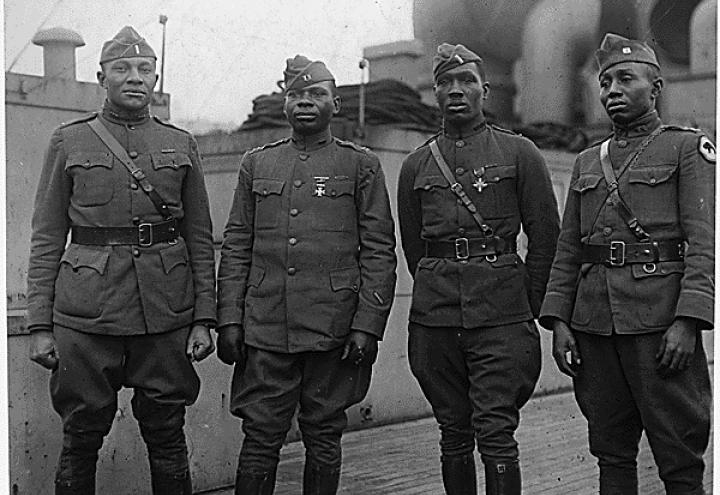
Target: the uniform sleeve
(196, 229)
(50, 225)
(410, 216)
(540, 220)
(236, 252)
(696, 196)
(377, 258)
(560, 296)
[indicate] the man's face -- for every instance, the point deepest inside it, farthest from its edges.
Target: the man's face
(310, 109)
(460, 93)
(129, 82)
(628, 91)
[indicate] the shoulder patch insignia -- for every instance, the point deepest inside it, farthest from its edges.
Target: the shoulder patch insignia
(706, 149)
(673, 127)
(269, 145)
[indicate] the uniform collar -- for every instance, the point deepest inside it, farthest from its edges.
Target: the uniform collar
(120, 116)
(475, 128)
(313, 141)
(642, 126)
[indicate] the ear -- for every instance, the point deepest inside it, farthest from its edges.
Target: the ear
(101, 78)
(657, 86)
(336, 104)
(486, 89)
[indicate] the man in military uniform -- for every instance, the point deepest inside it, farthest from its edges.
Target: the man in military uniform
(473, 345)
(305, 285)
(128, 302)
(631, 285)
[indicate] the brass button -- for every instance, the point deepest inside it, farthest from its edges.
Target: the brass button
(136, 252)
(133, 154)
(653, 180)
(459, 170)
(293, 241)
(294, 212)
(291, 270)
(133, 185)
(461, 231)
(622, 143)
(297, 183)
(136, 220)
(607, 231)
(131, 127)
(459, 143)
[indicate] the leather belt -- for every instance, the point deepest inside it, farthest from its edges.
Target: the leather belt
(463, 248)
(619, 253)
(145, 234)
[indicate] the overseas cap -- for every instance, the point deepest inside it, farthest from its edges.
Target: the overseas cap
(301, 72)
(616, 49)
(127, 43)
(450, 56)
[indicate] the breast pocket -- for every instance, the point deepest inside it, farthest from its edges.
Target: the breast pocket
(81, 286)
(436, 200)
(591, 198)
(499, 198)
(169, 170)
(268, 196)
(652, 193)
(91, 174)
(334, 211)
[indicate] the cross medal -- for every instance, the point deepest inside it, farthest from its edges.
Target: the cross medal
(320, 186)
(479, 183)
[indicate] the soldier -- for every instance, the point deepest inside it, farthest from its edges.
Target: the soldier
(305, 285)
(631, 285)
(473, 345)
(129, 301)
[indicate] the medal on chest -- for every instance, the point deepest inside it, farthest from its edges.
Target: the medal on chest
(480, 183)
(320, 186)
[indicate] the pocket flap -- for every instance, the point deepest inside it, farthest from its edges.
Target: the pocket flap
(171, 160)
(428, 263)
(651, 175)
(77, 255)
(427, 182)
(89, 159)
(263, 187)
(500, 172)
(586, 182)
(256, 275)
(335, 188)
(345, 278)
(644, 270)
(172, 256)
(504, 260)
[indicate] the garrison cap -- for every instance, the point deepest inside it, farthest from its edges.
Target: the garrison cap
(450, 56)
(127, 43)
(301, 72)
(616, 49)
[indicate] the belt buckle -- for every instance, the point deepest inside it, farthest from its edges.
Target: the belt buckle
(145, 235)
(617, 253)
(462, 248)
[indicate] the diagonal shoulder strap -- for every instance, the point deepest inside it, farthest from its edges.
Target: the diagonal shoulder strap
(117, 149)
(457, 188)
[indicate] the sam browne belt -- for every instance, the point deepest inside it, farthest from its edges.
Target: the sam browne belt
(145, 234)
(463, 248)
(619, 253)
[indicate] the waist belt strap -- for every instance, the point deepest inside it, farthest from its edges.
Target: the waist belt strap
(463, 248)
(145, 234)
(618, 253)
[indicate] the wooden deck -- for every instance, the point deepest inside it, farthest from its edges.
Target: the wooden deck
(403, 459)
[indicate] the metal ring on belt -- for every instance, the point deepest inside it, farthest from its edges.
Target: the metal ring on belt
(619, 253)
(463, 248)
(144, 235)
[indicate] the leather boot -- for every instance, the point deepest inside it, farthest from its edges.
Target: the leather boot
(256, 483)
(75, 487)
(458, 474)
(320, 480)
(618, 481)
(163, 484)
(502, 478)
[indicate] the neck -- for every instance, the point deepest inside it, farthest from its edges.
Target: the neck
(311, 141)
(464, 129)
(647, 121)
(116, 114)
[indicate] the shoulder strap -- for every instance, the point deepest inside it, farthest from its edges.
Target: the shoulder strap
(456, 188)
(611, 181)
(117, 149)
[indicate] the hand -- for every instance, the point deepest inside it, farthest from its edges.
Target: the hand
(677, 346)
(231, 345)
(199, 343)
(360, 347)
(564, 343)
(43, 350)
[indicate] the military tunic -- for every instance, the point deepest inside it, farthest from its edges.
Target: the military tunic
(120, 290)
